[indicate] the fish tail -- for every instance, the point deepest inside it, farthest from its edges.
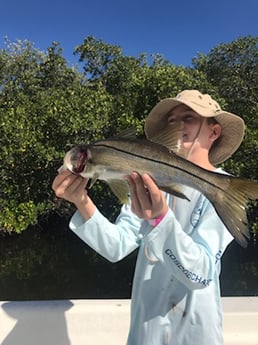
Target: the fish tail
(231, 205)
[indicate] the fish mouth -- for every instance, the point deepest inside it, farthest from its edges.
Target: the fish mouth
(76, 159)
(81, 161)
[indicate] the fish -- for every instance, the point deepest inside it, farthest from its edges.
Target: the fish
(114, 159)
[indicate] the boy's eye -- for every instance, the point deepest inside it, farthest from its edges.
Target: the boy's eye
(186, 118)
(190, 119)
(171, 120)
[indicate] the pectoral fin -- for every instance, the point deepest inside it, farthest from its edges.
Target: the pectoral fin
(121, 190)
(93, 180)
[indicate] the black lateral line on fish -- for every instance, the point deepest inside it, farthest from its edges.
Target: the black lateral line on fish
(167, 164)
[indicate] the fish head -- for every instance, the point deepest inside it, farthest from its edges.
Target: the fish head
(78, 159)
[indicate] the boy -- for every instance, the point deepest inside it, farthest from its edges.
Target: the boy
(176, 292)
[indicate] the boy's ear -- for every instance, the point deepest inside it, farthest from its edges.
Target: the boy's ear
(215, 132)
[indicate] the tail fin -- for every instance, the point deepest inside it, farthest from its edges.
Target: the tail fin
(232, 207)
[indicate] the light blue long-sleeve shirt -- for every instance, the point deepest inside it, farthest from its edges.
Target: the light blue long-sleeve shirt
(176, 291)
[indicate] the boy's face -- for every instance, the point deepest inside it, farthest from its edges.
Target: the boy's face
(193, 125)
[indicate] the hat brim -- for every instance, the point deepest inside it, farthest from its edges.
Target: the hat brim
(232, 125)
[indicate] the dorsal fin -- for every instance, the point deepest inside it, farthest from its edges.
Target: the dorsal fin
(171, 137)
(128, 133)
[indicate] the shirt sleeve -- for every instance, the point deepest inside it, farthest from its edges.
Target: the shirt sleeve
(192, 258)
(112, 241)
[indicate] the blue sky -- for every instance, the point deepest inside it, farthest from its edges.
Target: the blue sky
(176, 29)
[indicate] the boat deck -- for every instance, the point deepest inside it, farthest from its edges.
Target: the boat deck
(99, 322)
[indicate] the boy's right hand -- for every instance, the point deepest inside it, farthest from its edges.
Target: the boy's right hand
(71, 187)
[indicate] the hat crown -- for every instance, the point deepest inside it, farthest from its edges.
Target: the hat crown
(232, 126)
(203, 101)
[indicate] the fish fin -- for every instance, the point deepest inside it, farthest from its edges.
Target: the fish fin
(171, 137)
(62, 168)
(121, 190)
(93, 180)
(231, 206)
(129, 133)
(174, 189)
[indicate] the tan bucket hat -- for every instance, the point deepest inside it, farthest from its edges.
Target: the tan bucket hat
(232, 125)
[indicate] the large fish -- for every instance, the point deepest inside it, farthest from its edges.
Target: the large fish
(113, 160)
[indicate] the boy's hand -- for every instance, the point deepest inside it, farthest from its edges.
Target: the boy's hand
(70, 187)
(148, 201)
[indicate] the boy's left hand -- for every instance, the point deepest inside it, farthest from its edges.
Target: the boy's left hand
(147, 200)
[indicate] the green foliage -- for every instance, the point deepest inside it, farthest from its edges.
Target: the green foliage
(18, 217)
(96, 55)
(46, 107)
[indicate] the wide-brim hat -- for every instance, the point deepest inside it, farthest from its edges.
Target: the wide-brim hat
(232, 126)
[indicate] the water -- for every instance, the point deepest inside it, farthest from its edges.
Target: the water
(50, 262)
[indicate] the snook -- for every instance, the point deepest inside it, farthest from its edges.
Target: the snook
(113, 160)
